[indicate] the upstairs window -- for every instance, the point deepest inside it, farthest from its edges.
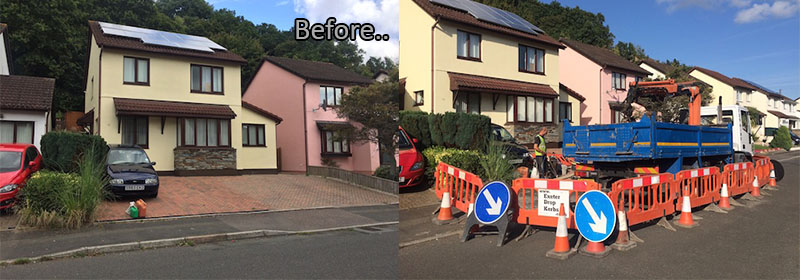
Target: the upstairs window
(738, 95)
(330, 96)
(618, 80)
(207, 79)
(469, 45)
(531, 60)
(136, 71)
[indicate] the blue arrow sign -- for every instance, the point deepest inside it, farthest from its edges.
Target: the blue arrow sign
(595, 216)
(492, 202)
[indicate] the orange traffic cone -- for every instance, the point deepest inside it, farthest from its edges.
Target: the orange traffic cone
(725, 202)
(772, 178)
(756, 191)
(623, 241)
(445, 214)
(561, 250)
(686, 214)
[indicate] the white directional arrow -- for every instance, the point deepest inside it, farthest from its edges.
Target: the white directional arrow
(495, 204)
(599, 225)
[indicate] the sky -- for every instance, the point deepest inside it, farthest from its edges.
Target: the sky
(756, 40)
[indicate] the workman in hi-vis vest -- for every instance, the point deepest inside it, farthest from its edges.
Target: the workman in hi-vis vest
(540, 150)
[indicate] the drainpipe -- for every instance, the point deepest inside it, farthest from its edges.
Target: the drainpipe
(305, 125)
(600, 101)
(433, 99)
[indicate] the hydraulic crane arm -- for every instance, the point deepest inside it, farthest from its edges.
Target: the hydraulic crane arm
(661, 90)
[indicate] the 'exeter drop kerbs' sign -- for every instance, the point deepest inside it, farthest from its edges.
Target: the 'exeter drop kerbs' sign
(551, 200)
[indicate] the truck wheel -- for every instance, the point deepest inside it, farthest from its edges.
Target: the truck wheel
(778, 167)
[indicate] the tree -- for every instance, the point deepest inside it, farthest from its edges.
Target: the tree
(374, 109)
(781, 139)
(629, 51)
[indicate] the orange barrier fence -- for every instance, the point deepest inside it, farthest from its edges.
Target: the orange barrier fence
(645, 198)
(528, 200)
(462, 185)
(738, 177)
(701, 185)
(761, 169)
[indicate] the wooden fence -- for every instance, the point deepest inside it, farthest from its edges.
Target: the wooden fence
(367, 181)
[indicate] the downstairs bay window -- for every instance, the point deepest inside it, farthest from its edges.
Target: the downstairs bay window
(201, 132)
(333, 144)
(529, 109)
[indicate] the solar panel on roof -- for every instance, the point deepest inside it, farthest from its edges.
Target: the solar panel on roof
(492, 15)
(161, 38)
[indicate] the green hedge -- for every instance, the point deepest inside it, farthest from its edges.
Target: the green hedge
(61, 149)
(467, 160)
(782, 139)
(452, 130)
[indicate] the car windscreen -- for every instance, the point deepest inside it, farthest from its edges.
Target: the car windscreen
(10, 161)
(127, 156)
(402, 141)
(501, 134)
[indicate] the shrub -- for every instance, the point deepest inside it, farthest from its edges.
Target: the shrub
(459, 130)
(61, 150)
(58, 199)
(495, 165)
(386, 172)
(416, 125)
(782, 139)
(463, 159)
(435, 127)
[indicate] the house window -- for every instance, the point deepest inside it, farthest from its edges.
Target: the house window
(207, 79)
(565, 111)
(419, 98)
(530, 109)
(134, 131)
(749, 94)
(197, 132)
(531, 60)
(330, 96)
(469, 45)
(333, 144)
(772, 102)
(253, 135)
(738, 96)
(468, 103)
(136, 71)
(16, 132)
(616, 116)
(618, 80)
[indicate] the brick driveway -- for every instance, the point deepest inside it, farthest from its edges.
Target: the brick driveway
(180, 196)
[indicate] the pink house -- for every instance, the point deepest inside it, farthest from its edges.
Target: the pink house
(600, 75)
(304, 93)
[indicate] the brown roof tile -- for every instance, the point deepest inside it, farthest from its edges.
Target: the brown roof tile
(571, 92)
(663, 68)
(263, 112)
(26, 93)
(723, 78)
(127, 106)
(319, 71)
(460, 81)
(465, 18)
(604, 57)
(781, 115)
(111, 41)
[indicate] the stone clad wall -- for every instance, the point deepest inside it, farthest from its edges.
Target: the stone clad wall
(205, 158)
(525, 133)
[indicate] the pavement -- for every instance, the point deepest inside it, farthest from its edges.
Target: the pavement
(362, 254)
(31, 243)
(760, 241)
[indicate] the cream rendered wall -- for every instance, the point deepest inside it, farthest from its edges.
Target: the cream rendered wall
(655, 73)
(415, 53)
(719, 88)
(3, 59)
(563, 96)
(499, 59)
(257, 157)
(169, 81)
(90, 97)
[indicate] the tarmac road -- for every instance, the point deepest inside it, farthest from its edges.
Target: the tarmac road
(369, 253)
(758, 242)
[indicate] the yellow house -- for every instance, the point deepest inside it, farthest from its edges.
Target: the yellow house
(657, 69)
(456, 62)
(780, 110)
(177, 96)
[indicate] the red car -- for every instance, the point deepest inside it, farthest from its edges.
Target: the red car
(410, 160)
(17, 163)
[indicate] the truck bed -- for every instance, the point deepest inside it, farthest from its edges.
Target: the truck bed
(644, 140)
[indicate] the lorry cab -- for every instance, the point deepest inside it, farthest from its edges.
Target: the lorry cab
(739, 118)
